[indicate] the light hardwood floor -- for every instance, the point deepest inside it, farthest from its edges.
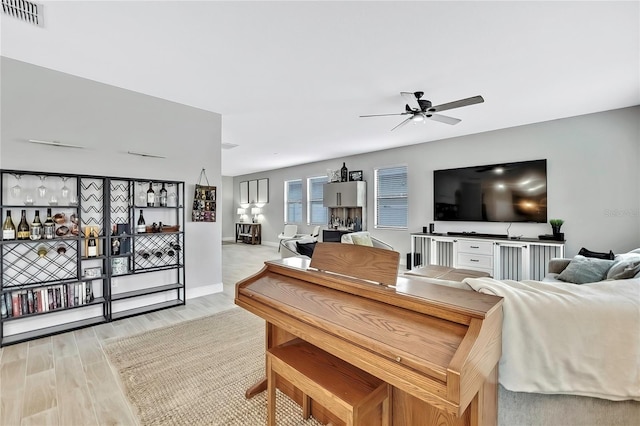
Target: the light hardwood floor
(66, 379)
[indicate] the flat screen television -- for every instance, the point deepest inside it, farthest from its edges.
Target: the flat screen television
(505, 192)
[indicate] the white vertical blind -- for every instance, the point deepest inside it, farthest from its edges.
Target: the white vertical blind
(391, 197)
(316, 212)
(293, 201)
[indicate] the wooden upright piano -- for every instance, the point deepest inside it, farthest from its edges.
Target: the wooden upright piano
(438, 347)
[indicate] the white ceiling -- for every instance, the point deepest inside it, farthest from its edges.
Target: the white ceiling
(291, 78)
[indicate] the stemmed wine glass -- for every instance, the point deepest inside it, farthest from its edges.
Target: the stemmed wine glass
(172, 198)
(16, 190)
(42, 189)
(64, 191)
(142, 195)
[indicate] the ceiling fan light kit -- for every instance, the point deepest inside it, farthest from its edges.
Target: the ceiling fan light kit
(422, 109)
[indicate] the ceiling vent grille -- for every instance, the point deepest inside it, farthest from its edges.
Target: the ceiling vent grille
(24, 10)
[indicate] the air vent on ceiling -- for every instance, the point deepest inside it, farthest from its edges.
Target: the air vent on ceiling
(24, 10)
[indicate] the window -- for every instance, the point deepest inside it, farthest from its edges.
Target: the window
(391, 197)
(293, 201)
(316, 212)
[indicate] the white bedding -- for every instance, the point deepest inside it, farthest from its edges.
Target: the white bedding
(569, 339)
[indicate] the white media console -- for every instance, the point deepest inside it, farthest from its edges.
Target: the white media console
(502, 258)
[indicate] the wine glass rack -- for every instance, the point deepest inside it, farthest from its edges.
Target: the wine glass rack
(50, 286)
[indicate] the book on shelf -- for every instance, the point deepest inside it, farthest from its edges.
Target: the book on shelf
(3, 308)
(30, 302)
(9, 303)
(89, 292)
(24, 302)
(16, 304)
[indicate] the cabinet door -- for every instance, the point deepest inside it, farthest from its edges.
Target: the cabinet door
(344, 194)
(330, 195)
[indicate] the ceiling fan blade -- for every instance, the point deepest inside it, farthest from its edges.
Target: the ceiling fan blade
(443, 119)
(457, 104)
(411, 100)
(403, 123)
(383, 115)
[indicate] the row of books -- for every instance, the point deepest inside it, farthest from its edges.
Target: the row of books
(32, 301)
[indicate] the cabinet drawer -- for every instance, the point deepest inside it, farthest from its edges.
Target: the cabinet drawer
(469, 260)
(479, 247)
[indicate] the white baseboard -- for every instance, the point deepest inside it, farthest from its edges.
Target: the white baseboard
(204, 290)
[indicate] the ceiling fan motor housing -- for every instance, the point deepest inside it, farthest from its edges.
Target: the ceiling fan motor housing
(424, 104)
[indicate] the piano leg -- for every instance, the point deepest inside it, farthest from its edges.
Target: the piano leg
(256, 389)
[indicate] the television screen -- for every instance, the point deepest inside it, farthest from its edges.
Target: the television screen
(507, 192)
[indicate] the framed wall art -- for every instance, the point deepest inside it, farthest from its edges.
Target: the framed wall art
(355, 175)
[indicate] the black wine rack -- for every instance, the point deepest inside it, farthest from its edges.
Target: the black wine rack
(88, 202)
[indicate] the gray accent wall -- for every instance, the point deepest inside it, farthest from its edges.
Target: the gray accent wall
(592, 175)
(39, 103)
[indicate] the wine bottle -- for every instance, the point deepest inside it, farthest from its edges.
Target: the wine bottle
(36, 227)
(170, 251)
(8, 228)
(143, 253)
(115, 241)
(151, 196)
(49, 227)
(61, 249)
(42, 250)
(163, 196)
(344, 173)
(141, 226)
(158, 253)
(92, 246)
(23, 227)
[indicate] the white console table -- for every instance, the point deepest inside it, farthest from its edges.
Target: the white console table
(502, 258)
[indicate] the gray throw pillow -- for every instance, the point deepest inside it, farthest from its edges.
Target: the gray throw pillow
(582, 270)
(624, 269)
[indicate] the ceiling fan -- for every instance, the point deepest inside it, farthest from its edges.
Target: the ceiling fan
(421, 109)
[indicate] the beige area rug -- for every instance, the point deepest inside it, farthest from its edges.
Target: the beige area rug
(196, 373)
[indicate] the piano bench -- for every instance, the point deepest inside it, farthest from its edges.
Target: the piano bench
(343, 389)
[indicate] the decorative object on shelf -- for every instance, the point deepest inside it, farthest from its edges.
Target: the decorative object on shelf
(333, 175)
(93, 272)
(355, 175)
(255, 211)
(344, 173)
(62, 231)
(119, 266)
(91, 242)
(204, 201)
(241, 213)
(556, 224)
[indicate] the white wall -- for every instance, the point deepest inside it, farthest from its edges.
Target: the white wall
(38, 103)
(592, 175)
(229, 209)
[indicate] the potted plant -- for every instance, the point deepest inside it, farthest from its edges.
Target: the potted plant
(556, 224)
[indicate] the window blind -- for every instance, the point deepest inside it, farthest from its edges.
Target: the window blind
(391, 197)
(316, 212)
(293, 201)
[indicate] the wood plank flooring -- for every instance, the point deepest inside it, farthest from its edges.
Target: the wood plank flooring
(67, 380)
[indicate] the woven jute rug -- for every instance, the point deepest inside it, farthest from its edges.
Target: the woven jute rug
(196, 373)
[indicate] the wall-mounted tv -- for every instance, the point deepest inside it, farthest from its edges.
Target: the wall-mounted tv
(506, 192)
